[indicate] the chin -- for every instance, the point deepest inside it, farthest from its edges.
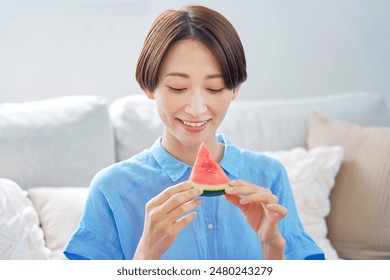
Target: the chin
(193, 140)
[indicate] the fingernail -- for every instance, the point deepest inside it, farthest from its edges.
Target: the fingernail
(243, 200)
(229, 190)
(198, 191)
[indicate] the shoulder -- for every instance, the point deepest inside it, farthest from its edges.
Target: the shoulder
(125, 176)
(259, 162)
(252, 159)
(252, 165)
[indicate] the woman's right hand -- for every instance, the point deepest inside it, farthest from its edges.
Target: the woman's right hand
(165, 217)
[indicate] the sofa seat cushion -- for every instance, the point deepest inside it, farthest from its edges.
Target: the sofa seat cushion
(359, 221)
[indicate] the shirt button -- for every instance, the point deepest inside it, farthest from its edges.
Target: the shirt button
(210, 226)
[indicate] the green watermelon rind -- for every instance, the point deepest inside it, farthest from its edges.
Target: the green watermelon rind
(213, 193)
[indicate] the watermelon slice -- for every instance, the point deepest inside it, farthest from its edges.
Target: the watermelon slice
(207, 174)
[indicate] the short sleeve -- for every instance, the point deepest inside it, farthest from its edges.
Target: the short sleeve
(97, 236)
(299, 245)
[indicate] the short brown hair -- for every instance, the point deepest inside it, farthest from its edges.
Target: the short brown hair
(192, 22)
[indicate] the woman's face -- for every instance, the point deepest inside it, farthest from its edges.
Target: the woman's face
(190, 96)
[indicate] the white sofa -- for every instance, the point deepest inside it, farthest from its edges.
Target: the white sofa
(336, 150)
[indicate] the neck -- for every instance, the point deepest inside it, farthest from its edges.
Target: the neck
(188, 153)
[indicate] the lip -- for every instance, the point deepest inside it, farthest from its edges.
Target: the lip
(194, 126)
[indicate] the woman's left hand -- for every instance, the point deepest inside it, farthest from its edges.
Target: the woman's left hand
(261, 210)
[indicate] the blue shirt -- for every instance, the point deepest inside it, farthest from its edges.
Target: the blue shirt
(113, 220)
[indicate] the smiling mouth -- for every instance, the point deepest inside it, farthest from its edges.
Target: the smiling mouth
(194, 124)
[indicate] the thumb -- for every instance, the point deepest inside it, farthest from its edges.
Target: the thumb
(235, 200)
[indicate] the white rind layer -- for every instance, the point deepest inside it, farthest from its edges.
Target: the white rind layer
(219, 187)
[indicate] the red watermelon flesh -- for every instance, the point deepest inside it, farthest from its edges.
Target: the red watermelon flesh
(207, 174)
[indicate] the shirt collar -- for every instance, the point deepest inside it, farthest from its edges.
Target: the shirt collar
(169, 164)
(176, 169)
(231, 156)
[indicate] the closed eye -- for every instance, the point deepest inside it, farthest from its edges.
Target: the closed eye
(177, 90)
(219, 90)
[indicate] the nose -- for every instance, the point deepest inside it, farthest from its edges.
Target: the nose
(196, 105)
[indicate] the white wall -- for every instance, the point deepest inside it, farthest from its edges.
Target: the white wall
(295, 48)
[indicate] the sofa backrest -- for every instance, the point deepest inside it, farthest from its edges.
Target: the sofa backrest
(55, 142)
(254, 124)
(282, 124)
(65, 141)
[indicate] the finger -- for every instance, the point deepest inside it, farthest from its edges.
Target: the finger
(184, 208)
(261, 197)
(179, 199)
(238, 182)
(241, 183)
(277, 209)
(169, 192)
(244, 185)
(184, 221)
(245, 189)
(235, 200)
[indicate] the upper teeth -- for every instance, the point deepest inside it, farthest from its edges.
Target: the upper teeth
(194, 124)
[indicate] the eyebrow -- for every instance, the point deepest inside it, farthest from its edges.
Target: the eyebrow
(184, 75)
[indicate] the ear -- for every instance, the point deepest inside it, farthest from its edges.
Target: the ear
(149, 93)
(236, 91)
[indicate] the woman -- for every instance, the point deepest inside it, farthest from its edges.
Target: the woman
(192, 65)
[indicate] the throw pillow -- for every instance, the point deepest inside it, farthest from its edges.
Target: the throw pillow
(359, 221)
(60, 210)
(21, 238)
(312, 175)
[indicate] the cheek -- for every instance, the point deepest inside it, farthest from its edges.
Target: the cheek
(165, 105)
(220, 106)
